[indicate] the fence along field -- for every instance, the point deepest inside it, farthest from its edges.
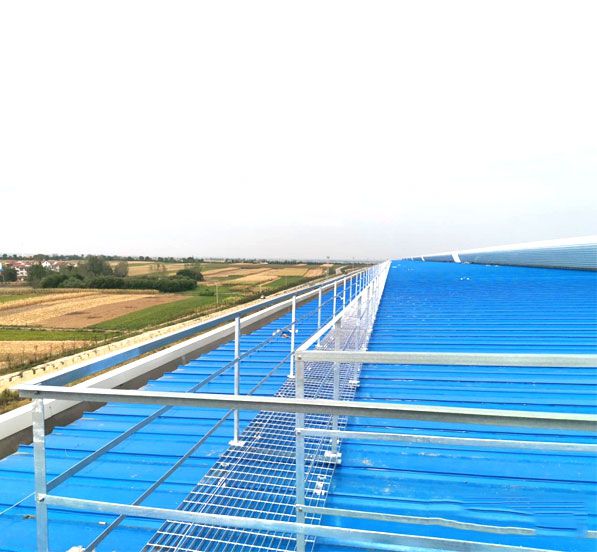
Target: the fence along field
(38, 325)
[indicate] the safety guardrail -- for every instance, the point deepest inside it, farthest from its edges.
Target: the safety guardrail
(348, 328)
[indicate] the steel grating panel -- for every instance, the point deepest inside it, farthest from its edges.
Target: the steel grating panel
(258, 479)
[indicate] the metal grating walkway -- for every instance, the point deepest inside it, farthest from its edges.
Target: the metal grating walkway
(258, 479)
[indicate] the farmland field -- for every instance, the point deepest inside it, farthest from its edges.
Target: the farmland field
(76, 310)
(157, 315)
(5, 298)
(37, 324)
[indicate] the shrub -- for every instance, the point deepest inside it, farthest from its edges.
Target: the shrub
(191, 273)
(174, 285)
(72, 282)
(166, 285)
(140, 283)
(52, 281)
(7, 396)
(106, 282)
(204, 290)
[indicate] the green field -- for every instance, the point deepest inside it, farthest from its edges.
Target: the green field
(285, 282)
(162, 314)
(195, 303)
(26, 334)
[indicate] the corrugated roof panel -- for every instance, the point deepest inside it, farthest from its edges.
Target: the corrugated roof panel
(469, 308)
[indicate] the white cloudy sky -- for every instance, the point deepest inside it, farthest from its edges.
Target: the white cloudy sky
(295, 129)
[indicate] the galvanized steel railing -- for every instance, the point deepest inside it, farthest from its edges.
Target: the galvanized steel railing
(359, 302)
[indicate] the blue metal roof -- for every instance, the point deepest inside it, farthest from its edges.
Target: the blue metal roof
(425, 307)
(471, 308)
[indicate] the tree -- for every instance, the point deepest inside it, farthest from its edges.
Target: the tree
(9, 274)
(36, 273)
(72, 282)
(95, 265)
(68, 269)
(121, 269)
(106, 282)
(192, 273)
(158, 268)
(53, 280)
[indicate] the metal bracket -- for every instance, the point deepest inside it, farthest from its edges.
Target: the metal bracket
(333, 457)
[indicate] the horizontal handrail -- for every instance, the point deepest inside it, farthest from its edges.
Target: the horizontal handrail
(421, 520)
(453, 359)
(451, 441)
(218, 520)
(549, 420)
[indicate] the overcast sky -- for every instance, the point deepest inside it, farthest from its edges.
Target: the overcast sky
(301, 130)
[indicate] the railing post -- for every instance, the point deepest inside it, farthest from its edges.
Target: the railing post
(292, 336)
(358, 324)
(367, 306)
(334, 454)
(334, 301)
(299, 393)
(319, 301)
(235, 440)
(39, 464)
(344, 294)
(350, 284)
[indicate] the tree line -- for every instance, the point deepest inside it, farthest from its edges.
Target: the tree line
(95, 272)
